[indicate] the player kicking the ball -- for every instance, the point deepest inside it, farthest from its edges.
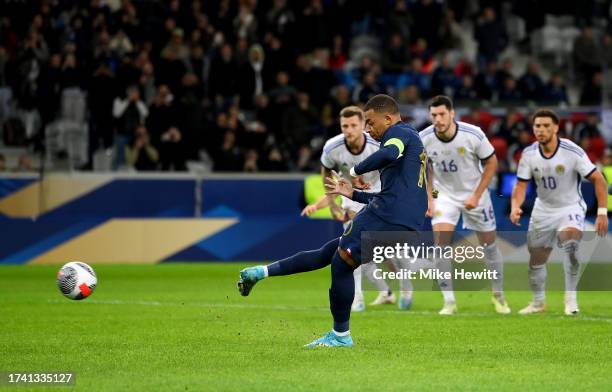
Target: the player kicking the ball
(340, 153)
(556, 165)
(457, 150)
(402, 162)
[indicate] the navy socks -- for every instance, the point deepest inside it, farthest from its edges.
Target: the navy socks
(341, 293)
(305, 261)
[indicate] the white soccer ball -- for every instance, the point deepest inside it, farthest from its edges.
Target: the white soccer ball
(76, 280)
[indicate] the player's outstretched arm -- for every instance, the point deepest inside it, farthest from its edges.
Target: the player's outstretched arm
(312, 208)
(490, 167)
(601, 194)
(518, 197)
(392, 150)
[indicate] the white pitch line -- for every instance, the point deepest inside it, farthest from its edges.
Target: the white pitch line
(323, 309)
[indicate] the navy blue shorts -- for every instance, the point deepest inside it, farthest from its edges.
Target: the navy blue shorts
(364, 221)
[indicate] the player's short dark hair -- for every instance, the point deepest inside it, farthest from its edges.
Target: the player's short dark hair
(547, 113)
(440, 100)
(382, 103)
(351, 111)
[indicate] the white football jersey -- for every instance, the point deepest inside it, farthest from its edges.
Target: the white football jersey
(337, 156)
(557, 178)
(456, 162)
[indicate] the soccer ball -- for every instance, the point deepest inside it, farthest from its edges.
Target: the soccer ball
(76, 280)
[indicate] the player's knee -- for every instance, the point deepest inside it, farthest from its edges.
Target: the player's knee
(329, 248)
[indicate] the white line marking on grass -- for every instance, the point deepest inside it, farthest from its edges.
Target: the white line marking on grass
(323, 309)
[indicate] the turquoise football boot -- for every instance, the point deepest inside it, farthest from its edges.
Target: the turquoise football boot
(248, 278)
(404, 303)
(331, 340)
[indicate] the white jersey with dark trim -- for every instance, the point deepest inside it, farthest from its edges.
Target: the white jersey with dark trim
(457, 162)
(337, 156)
(558, 177)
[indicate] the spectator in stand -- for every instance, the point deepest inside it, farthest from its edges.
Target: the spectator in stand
(487, 84)
(587, 129)
(449, 33)
(400, 20)
(140, 153)
(606, 50)
(368, 88)
(443, 78)
(2, 163)
(505, 71)
(221, 87)
(525, 138)
(587, 56)
(337, 59)
(395, 56)
(509, 93)
(465, 92)
(415, 77)
(129, 112)
(229, 157)
(592, 91)
(299, 123)
(424, 13)
(49, 89)
(530, 84)
(555, 92)
(491, 35)
(511, 126)
(340, 98)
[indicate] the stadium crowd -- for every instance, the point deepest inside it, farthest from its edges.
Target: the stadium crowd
(258, 85)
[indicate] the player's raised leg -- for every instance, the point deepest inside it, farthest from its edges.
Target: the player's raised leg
(301, 262)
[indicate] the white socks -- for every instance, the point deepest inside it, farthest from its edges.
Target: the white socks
(380, 284)
(446, 285)
(537, 281)
(495, 262)
(357, 276)
(571, 267)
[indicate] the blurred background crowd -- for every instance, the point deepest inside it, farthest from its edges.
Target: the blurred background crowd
(255, 85)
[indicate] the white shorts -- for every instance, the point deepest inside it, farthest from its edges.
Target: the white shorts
(545, 223)
(481, 218)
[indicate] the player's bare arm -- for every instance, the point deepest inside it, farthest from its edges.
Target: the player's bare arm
(601, 194)
(337, 212)
(431, 195)
(490, 168)
(518, 197)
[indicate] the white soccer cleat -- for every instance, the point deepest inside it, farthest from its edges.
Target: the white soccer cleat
(533, 307)
(501, 306)
(384, 297)
(448, 309)
(571, 307)
(358, 304)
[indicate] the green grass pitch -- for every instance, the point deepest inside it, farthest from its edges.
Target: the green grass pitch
(184, 327)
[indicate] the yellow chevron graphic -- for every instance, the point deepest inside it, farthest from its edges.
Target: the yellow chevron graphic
(56, 191)
(134, 240)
